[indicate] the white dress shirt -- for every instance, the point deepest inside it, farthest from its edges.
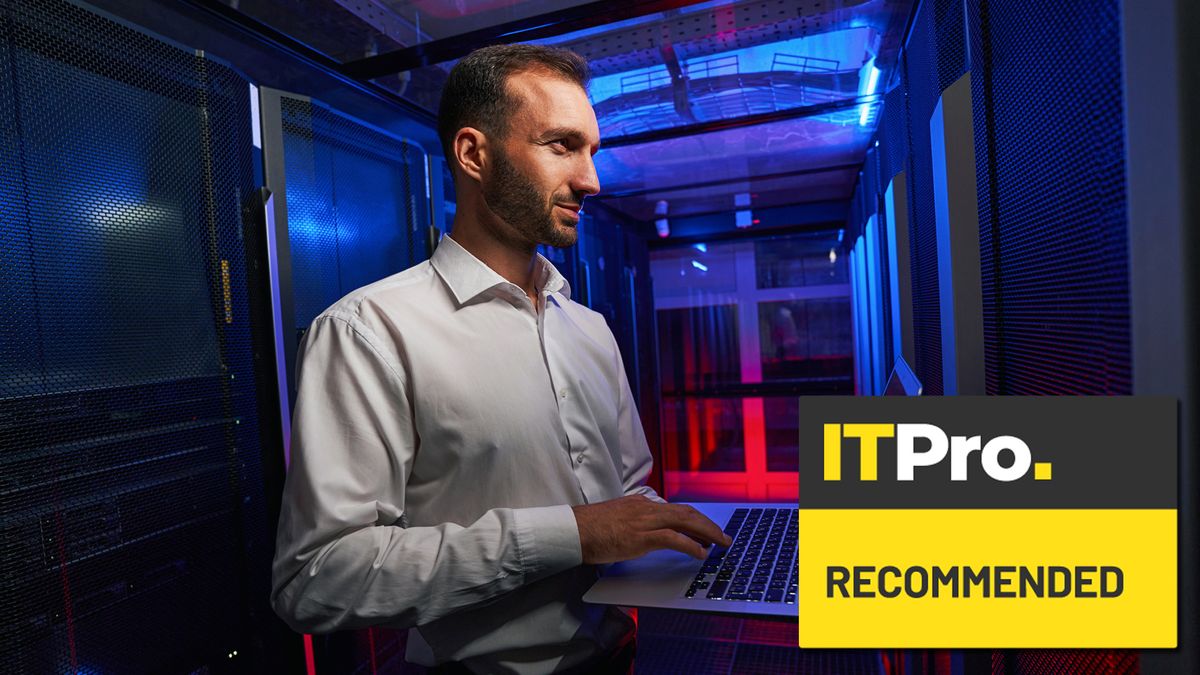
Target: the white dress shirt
(443, 428)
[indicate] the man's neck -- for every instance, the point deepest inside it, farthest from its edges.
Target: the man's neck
(508, 259)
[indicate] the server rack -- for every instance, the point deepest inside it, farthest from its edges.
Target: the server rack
(1045, 307)
(351, 204)
(138, 441)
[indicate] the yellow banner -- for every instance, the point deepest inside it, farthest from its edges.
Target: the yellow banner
(984, 578)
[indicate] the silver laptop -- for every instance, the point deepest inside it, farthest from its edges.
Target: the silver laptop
(756, 575)
(903, 381)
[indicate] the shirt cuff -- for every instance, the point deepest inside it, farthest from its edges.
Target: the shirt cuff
(547, 540)
(647, 492)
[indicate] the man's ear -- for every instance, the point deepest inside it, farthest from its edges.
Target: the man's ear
(471, 151)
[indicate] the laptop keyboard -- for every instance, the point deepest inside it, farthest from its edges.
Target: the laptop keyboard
(760, 564)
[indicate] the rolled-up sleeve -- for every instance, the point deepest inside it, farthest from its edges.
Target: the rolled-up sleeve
(344, 558)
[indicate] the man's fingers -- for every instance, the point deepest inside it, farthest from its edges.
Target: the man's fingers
(691, 522)
(677, 542)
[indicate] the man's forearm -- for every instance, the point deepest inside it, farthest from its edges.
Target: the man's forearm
(409, 576)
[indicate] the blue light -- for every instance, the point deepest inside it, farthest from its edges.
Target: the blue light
(703, 248)
(307, 227)
(865, 112)
(871, 82)
(874, 79)
(525, 28)
(700, 266)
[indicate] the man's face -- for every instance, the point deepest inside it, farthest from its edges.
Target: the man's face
(542, 169)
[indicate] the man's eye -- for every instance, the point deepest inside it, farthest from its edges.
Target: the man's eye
(559, 144)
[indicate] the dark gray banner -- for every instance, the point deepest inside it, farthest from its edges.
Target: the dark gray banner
(1093, 452)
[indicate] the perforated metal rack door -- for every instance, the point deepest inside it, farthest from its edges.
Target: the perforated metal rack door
(356, 204)
(1054, 223)
(130, 469)
(1074, 662)
(893, 136)
(922, 82)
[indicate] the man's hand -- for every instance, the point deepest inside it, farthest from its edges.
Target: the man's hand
(630, 527)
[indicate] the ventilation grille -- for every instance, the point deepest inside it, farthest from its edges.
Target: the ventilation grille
(355, 204)
(1076, 662)
(130, 477)
(893, 136)
(952, 59)
(981, 115)
(923, 92)
(1057, 216)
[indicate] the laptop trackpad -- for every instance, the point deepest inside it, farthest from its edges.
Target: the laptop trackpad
(658, 575)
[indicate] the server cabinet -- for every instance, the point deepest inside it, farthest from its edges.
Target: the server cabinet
(136, 434)
(351, 205)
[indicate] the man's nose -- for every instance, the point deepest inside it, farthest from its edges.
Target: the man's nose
(586, 181)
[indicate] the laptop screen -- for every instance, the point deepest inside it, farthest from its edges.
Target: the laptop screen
(903, 381)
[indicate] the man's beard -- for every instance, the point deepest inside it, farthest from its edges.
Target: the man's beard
(516, 200)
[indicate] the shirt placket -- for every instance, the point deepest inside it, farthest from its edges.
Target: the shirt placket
(563, 395)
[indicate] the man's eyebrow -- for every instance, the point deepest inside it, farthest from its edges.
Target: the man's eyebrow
(564, 132)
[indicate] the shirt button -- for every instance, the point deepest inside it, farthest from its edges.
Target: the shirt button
(579, 459)
(562, 393)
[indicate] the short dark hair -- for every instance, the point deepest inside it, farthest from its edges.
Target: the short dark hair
(476, 95)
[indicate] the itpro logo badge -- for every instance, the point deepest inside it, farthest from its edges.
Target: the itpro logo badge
(936, 446)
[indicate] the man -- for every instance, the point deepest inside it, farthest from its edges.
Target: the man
(465, 446)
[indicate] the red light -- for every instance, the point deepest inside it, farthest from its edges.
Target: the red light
(68, 606)
(371, 641)
(309, 662)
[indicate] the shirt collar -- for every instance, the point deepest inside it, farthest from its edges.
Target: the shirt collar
(468, 277)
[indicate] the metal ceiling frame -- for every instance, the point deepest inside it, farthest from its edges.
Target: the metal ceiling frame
(588, 15)
(673, 241)
(725, 181)
(549, 24)
(739, 122)
(284, 42)
(378, 15)
(359, 73)
(731, 210)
